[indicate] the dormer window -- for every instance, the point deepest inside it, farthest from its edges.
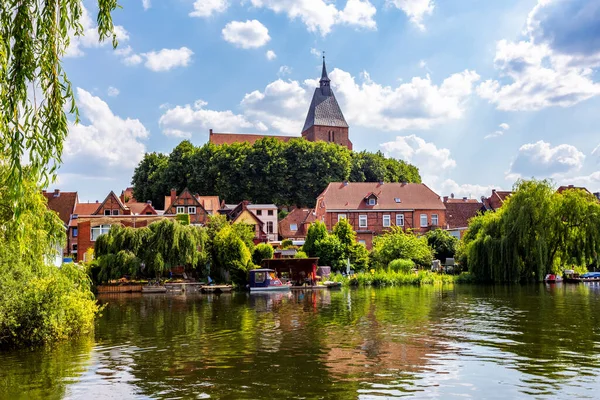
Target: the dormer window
(397, 199)
(372, 201)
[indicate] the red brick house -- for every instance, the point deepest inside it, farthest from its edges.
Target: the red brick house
(186, 203)
(63, 203)
(372, 208)
(295, 225)
(243, 213)
(496, 200)
(458, 214)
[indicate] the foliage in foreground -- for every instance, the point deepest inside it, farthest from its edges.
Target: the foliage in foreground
(269, 171)
(383, 278)
(397, 244)
(38, 302)
(442, 243)
(536, 231)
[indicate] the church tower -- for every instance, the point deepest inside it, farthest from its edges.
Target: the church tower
(325, 120)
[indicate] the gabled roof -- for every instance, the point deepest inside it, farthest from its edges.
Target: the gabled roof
(299, 217)
(115, 197)
(571, 187)
(183, 192)
(351, 196)
(210, 203)
(230, 138)
(324, 111)
(141, 208)
(62, 202)
(459, 213)
(86, 208)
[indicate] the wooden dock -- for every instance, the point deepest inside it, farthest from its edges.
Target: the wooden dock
(217, 288)
(119, 288)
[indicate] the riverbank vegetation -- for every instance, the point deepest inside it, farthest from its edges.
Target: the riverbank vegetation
(536, 231)
(269, 171)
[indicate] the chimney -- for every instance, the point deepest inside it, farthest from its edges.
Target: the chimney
(149, 202)
(345, 183)
(493, 190)
(56, 192)
(96, 201)
(122, 197)
(210, 132)
(380, 182)
(445, 199)
(173, 196)
(451, 195)
(465, 198)
(570, 186)
(44, 191)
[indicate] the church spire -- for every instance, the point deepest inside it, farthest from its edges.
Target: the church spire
(324, 82)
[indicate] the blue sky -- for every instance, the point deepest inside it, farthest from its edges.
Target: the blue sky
(476, 93)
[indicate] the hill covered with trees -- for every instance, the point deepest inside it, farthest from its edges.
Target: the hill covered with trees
(270, 171)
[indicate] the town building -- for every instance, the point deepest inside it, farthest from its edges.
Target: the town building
(458, 214)
(373, 208)
(496, 200)
(186, 203)
(63, 203)
(324, 121)
(295, 225)
(262, 216)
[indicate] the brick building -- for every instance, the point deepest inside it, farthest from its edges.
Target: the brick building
(186, 203)
(295, 225)
(458, 214)
(63, 203)
(262, 216)
(372, 208)
(324, 121)
(496, 200)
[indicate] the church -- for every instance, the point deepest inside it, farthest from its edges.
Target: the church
(324, 121)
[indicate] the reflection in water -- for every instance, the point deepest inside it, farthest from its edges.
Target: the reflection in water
(464, 341)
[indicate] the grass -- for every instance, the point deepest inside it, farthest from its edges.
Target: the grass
(390, 278)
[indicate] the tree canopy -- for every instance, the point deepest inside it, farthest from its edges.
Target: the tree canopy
(270, 171)
(536, 231)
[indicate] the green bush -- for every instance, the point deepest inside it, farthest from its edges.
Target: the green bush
(401, 265)
(300, 254)
(262, 251)
(397, 244)
(286, 244)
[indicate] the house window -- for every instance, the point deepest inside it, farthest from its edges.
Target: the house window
(397, 199)
(293, 227)
(75, 232)
(386, 221)
(269, 226)
(341, 217)
(99, 230)
(362, 221)
(148, 213)
(106, 212)
(372, 201)
(434, 219)
(74, 249)
(191, 210)
(423, 220)
(180, 210)
(115, 212)
(270, 212)
(399, 219)
(260, 277)
(363, 242)
(258, 212)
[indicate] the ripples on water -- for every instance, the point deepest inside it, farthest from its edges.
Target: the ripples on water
(453, 342)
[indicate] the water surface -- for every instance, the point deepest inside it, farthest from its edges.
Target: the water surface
(454, 342)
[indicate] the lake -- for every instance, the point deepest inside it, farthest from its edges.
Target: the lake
(462, 341)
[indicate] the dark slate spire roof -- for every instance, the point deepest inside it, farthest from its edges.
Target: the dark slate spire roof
(324, 109)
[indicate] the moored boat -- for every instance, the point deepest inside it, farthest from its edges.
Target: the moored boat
(265, 280)
(553, 278)
(569, 276)
(591, 277)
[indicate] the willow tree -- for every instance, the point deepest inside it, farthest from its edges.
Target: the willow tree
(34, 88)
(536, 231)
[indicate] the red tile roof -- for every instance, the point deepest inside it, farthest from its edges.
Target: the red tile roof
(210, 203)
(128, 196)
(351, 196)
(62, 202)
(86, 208)
(458, 214)
(140, 208)
(571, 187)
(299, 217)
(230, 138)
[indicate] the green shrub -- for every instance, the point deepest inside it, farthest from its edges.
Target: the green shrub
(300, 254)
(399, 244)
(262, 251)
(401, 265)
(286, 244)
(183, 219)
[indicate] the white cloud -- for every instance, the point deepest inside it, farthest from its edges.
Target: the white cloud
(107, 143)
(183, 121)
(503, 128)
(554, 65)
(415, 10)
(418, 104)
(435, 165)
(146, 4)
(247, 35)
(284, 70)
(282, 106)
(542, 160)
(322, 15)
(90, 37)
(315, 52)
(271, 55)
(166, 59)
(112, 91)
(206, 8)
(133, 59)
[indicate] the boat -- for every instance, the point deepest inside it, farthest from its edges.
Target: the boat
(332, 284)
(553, 278)
(153, 289)
(591, 277)
(569, 276)
(264, 280)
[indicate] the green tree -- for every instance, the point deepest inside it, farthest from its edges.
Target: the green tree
(149, 180)
(261, 252)
(232, 256)
(34, 88)
(396, 244)
(359, 257)
(330, 252)
(535, 232)
(316, 231)
(442, 243)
